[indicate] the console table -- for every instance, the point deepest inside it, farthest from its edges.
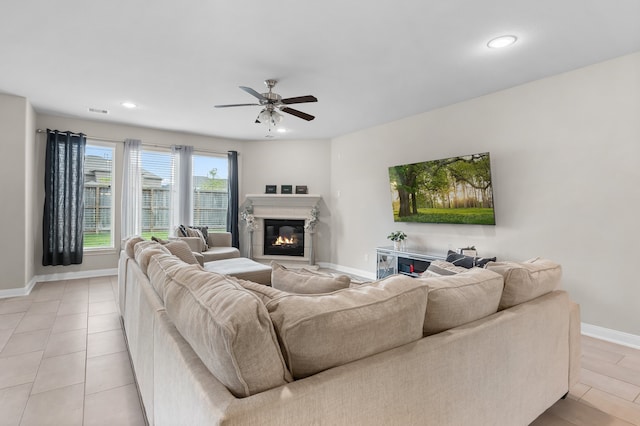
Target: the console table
(408, 262)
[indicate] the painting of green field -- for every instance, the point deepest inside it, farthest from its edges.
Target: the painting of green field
(476, 216)
(451, 190)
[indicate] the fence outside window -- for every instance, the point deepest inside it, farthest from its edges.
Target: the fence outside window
(209, 209)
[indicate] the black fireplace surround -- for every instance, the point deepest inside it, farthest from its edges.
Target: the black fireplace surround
(284, 237)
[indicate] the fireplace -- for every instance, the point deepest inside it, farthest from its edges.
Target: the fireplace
(284, 237)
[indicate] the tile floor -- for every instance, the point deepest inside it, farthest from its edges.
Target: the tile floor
(63, 358)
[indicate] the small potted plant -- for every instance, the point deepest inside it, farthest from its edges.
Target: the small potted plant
(398, 238)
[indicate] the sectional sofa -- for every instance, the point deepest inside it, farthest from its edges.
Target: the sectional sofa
(481, 347)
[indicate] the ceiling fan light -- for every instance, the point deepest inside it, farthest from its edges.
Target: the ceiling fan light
(269, 117)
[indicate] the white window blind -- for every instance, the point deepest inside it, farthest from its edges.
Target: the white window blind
(210, 193)
(98, 199)
(157, 180)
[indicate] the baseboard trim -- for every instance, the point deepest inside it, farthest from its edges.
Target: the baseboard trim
(16, 292)
(76, 275)
(347, 270)
(26, 290)
(613, 336)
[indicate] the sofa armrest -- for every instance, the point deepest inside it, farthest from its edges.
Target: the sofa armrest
(195, 243)
(199, 257)
(219, 239)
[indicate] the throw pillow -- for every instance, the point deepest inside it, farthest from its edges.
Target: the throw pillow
(468, 261)
(438, 268)
(305, 282)
(181, 250)
(194, 232)
(159, 240)
(204, 230)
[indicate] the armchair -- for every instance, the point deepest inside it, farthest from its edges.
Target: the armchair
(219, 247)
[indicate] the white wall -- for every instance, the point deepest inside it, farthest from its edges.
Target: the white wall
(293, 162)
(564, 153)
(109, 259)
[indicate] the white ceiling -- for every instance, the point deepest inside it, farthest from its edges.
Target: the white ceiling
(367, 62)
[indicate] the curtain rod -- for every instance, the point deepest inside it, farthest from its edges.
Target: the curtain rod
(143, 144)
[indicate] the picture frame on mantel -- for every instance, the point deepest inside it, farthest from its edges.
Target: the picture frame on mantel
(302, 189)
(271, 189)
(286, 189)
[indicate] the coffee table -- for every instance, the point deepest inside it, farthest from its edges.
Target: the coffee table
(243, 268)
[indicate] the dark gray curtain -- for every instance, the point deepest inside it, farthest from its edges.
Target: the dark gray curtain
(232, 209)
(62, 235)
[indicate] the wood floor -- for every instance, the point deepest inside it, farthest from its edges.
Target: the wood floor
(608, 393)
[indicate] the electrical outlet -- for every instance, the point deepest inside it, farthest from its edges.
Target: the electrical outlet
(366, 257)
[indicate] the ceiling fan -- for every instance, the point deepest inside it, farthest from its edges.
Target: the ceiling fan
(272, 102)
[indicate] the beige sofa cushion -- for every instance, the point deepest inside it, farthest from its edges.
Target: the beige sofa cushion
(143, 252)
(228, 327)
(182, 250)
(305, 281)
(130, 244)
(458, 299)
(321, 331)
(264, 292)
(161, 269)
(438, 268)
(527, 280)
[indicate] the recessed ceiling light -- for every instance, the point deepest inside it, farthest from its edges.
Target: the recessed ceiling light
(129, 104)
(502, 41)
(281, 130)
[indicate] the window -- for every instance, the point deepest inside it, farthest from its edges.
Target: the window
(210, 199)
(156, 191)
(209, 196)
(98, 199)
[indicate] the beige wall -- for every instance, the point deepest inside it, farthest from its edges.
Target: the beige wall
(293, 162)
(32, 225)
(13, 166)
(564, 153)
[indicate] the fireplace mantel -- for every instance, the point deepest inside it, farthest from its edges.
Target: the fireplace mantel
(302, 200)
(281, 206)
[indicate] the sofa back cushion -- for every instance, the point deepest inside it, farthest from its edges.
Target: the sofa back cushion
(320, 331)
(438, 268)
(161, 269)
(457, 299)
(143, 252)
(130, 244)
(182, 250)
(527, 280)
(228, 327)
(305, 281)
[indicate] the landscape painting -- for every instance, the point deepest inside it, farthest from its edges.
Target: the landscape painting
(450, 190)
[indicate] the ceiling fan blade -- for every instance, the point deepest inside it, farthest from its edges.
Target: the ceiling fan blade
(299, 100)
(234, 105)
(297, 113)
(252, 92)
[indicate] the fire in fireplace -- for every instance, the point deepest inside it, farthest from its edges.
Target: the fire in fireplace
(284, 237)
